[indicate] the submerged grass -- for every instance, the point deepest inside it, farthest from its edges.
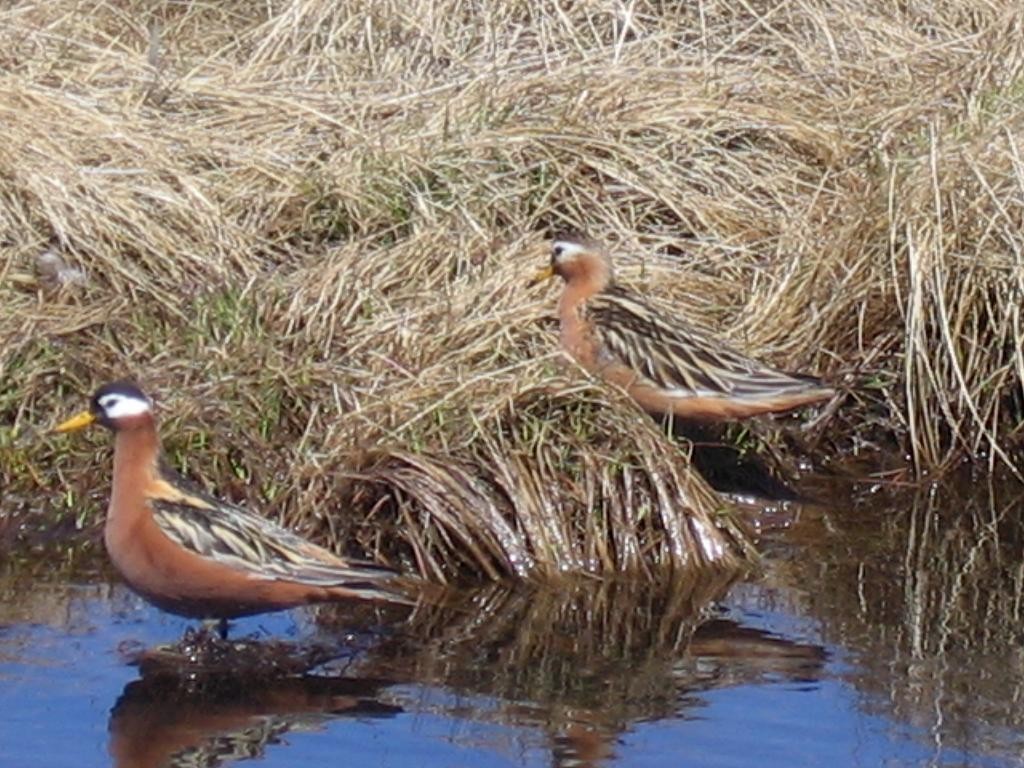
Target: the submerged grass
(307, 228)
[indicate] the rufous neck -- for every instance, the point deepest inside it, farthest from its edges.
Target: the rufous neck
(586, 278)
(136, 453)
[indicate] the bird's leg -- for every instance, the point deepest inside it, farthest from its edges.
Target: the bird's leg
(220, 625)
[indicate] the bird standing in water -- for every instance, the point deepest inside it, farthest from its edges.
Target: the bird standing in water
(193, 555)
(667, 365)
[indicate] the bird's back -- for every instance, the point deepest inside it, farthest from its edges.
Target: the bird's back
(681, 358)
(237, 538)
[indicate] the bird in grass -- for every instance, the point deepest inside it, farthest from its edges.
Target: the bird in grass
(667, 365)
(193, 555)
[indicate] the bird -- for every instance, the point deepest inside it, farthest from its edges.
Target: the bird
(668, 365)
(191, 554)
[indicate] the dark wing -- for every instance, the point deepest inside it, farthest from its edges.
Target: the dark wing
(676, 355)
(247, 542)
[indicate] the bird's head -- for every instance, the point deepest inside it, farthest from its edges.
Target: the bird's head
(574, 256)
(118, 405)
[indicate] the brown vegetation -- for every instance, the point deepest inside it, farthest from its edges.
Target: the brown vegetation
(307, 228)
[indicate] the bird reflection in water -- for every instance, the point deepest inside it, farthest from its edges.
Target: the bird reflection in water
(158, 721)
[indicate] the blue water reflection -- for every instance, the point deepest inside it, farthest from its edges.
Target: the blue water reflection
(758, 687)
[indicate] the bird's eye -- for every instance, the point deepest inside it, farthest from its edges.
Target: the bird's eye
(115, 405)
(557, 251)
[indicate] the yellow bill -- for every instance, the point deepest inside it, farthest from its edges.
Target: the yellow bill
(543, 274)
(78, 421)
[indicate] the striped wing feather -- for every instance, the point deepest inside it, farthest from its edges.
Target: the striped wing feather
(676, 355)
(245, 541)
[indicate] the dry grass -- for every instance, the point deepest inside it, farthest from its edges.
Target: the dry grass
(307, 227)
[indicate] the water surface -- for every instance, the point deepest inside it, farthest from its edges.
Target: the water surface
(886, 632)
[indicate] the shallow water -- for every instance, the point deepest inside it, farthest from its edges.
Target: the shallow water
(883, 633)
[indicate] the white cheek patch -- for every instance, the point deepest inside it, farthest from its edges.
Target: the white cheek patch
(120, 406)
(568, 252)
